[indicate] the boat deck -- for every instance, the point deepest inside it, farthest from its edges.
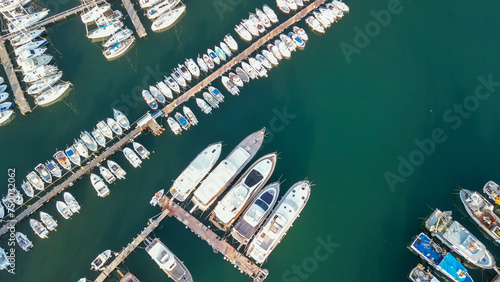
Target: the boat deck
(19, 98)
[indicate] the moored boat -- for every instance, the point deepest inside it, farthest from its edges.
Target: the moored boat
(119, 36)
(4, 260)
(420, 274)
(88, 140)
(63, 209)
(184, 123)
(314, 24)
(201, 63)
(165, 90)
(119, 48)
(482, 213)
(71, 202)
(23, 242)
(132, 157)
(229, 40)
(229, 85)
(213, 56)
(242, 74)
(174, 125)
(167, 261)
(264, 19)
(53, 94)
(236, 79)
(98, 263)
(121, 119)
(493, 191)
(190, 115)
(104, 31)
(172, 84)
(28, 189)
(116, 169)
(252, 73)
(341, 5)
(156, 198)
(184, 72)
(141, 150)
(150, 100)
(216, 93)
(44, 173)
(72, 155)
(282, 5)
(270, 14)
(5, 115)
(283, 49)
(99, 185)
(108, 176)
(270, 57)
(94, 13)
(210, 100)
(48, 221)
(115, 127)
(105, 130)
(38, 228)
(25, 37)
(161, 8)
(263, 61)
(209, 62)
(220, 53)
(275, 51)
(99, 137)
(204, 107)
(299, 43)
(54, 169)
(34, 180)
(167, 19)
(80, 148)
(243, 32)
(193, 67)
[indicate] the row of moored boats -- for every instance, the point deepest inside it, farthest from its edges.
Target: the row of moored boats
(454, 238)
(6, 111)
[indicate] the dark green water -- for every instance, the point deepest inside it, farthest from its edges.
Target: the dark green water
(348, 122)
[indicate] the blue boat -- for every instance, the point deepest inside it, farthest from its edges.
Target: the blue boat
(438, 258)
(5, 106)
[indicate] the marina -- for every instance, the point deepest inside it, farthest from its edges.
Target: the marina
(20, 100)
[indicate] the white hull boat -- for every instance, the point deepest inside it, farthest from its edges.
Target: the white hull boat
(52, 95)
(115, 127)
(190, 115)
(63, 209)
(204, 107)
(99, 185)
(98, 263)
(44, 173)
(38, 228)
(141, 150)
(156, 198)
(167, 19)
(99, 137)
(48, 221)
(80, 148)
(174, 126)
(121, 119)
(71, 202)
(105, 130)
(73, 155)
(118, 49)
(35, 181)
(54, 169)
(116, 169)
(107, 175)
(89, 141)
(132, 157)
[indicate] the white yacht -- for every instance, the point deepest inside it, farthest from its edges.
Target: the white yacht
(116, 169)
(94, 13)
(99, 137)
(161, 8)
(107, 174)
(292, 4)
(80, 148)
(251, 27)
(115, 127)
(222, 176)
(156, 198)
(256, 65)
(5, 116)
(236, 199)
(22, 22)
(243, 32)
(105, 130)
(172, 84)
(257, 211)
(190, 115)
(229, 40)
(48, 220)
(98, 263)
(165, 90)
(99, 185)
(27, 54)
(109, 16)
(44, 83)
(121, 119)
(25, 37)
(52, 95)
(63, 209)
(30, 64)
(280, 220)
(71, 202)
(132, 157)
(168, 19)
(148, 3)
(174, 125)
(141, 150)
(322, 19)
(288, 42)
(204, 107)
(39, 229)
(191, 176)
(34, 180)
(168, 262)
(88, 140)
(30, 46)
(118, 49)
(264, 61)
(460, 240)
(39, 73)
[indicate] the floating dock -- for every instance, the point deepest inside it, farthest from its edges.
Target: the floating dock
(139, 28)
(19, 98)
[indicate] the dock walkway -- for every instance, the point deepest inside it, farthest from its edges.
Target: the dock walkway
(141, 31)
(19, 98)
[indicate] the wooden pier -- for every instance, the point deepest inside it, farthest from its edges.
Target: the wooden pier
(217, 243)
(19, 98)
(240, 57)
(152, 224)
(141, 31)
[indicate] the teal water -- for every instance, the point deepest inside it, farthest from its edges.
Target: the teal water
(348, 122)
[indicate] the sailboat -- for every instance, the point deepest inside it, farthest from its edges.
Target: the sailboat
(119, 48)
(161, 8)
(168, 19)
(52, 95)
(118, 37)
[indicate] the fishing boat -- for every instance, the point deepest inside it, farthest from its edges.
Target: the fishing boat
(72, 155)
(211, 100)
(44, 83)
(98, 263)
(39, 72)
(4, 260)
(191, 176)
(99, 185)
(482, 213)
(71, 202)
(204, 107)
(236, 79)
(118, 49)
(420, 274)
(98, 137)
(299, 43)
(52, 95)
(48, 220)
(28, 189)
(94, 13)
(201, 63)
(279, 221)
(39, 229)
(242, 74)
(220, 53)
(243, 32)
(44, 173)
(439, 259)
(104, 31)
(54, 169)
(456, 237)
(229, 85)
(23, 242)
(264, 19)
(222, 176)
(88, 140)
(256, 212)
(32, 63)
(172, 84)
(190, 115)
(25, 37)
(116, 169)
(209, 62)
(121, 119)
(341, 5)
(249, 70)
(216, 93)
(157, 94)
(184, 123)
(193, 67)
(35, 181)
(283, 49)
(275, 51)
(184, 72)
(4, 96)
(263, 61)
(282, 5)
(168, 19)
(229, 208)
(165, 90)
(174, 125)
(314, 24)
(117, 37)
(109, 16)
(168, 262)
(63, 209)
(80, 148)
(229, 40)
(161, 8)
(141, 150)
(301, 33)
(132, 157)
(493, 191)
(27, 54)
(156, 198)
(107, 175)
(115, 127)
(150, 100)
(5, 116)
(213, 56)
(105, 129)
(270, 13)
(226, 49)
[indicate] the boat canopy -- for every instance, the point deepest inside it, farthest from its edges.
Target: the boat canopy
(253, 178)
(453, 267)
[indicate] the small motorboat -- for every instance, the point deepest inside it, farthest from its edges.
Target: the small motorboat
(4, 96)
(157, 94)
(220, 53)
(80, 148)
(34, 180)
(165, 90)
(48, 220)
(213, 56)
(242, 74)
(116, 169)
(264, 61)
(182, 121)
(270, 14)
(73, 155)
(39, 229)
(243, 32)
(141, 150)
(99, 185)
(216, 93)
(100, 260)
(229, 40)
(62, 159)
(193, 67)
(172, 84)
(156, 198)
(201, 63)
(121, 119)
(28, 189)
(236, 79)
(107, 175)
(54, 169)
(105, 129)
(150, 100)
(23, 241)
(71, 202)
(115, 127)
(88, 140)
(204, 107)
(184, 72)
(174, 125)
(99, 137)
(275, 51)
(190, 115)
(44, 173)
(63, 209)
(301, 33)
(226, 49)
(132, 157)
(208, 61)
(270, 57)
